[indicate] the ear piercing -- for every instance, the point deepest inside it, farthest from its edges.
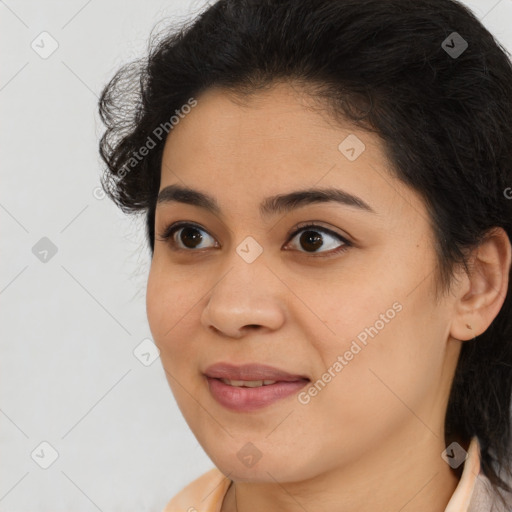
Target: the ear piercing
(471, 328)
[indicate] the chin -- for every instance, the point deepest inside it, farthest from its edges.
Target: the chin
(268, 469)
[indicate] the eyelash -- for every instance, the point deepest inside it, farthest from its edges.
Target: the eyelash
(169, 231)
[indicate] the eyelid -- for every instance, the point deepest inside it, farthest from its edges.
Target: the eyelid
(171, 229)
(318, 226)
(168, 234)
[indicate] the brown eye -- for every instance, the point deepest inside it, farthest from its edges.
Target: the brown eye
(313, 237)
(311, 241)
(190, 237)
(186, 236)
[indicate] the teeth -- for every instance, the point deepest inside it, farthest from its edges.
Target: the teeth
(248, 383)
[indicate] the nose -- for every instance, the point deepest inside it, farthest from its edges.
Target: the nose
(249, 297)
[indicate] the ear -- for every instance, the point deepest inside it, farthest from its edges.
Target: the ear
(481, 293)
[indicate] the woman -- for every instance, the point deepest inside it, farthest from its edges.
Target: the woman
(327, 191)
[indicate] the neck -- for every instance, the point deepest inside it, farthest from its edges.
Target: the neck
(397, 477)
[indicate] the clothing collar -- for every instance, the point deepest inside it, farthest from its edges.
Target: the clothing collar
(461, 498)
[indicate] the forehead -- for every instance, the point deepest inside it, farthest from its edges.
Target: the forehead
(276, 141)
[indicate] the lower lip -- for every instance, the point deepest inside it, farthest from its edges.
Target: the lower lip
(250, 399)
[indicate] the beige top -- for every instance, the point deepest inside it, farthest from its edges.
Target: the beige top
(473, 492)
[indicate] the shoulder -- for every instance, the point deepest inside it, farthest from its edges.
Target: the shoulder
(204, 494)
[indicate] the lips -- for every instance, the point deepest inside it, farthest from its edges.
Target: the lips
(251, 372)
(251, 387)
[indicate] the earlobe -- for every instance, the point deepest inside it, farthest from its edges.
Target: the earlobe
(485, 287)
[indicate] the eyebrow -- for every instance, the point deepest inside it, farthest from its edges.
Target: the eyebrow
(271, 205)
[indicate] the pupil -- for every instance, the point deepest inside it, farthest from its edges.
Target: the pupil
(311, 238)
(196, 236)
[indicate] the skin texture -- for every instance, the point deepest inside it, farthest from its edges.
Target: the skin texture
(378, 424)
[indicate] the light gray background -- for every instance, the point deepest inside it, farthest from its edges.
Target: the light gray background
(69, 376)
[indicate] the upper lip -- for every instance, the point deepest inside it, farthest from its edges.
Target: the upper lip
(250, 372)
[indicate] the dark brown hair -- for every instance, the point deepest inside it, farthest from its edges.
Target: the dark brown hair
(391, 66)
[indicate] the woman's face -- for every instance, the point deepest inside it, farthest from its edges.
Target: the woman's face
(346, 307)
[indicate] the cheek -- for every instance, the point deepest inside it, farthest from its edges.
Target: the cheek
(158, 296)
(381, 329)
(169, 299)
(386, 367)
(165, 306)
(173, 308)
